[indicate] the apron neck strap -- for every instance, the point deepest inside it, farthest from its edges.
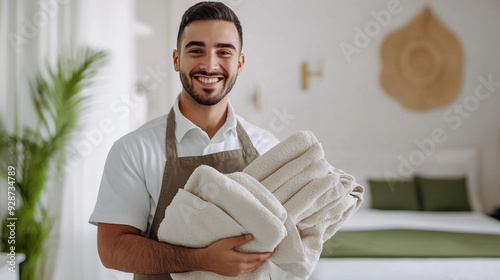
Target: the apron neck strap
(170, 140)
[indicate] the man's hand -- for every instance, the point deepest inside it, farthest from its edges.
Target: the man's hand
(221, 257)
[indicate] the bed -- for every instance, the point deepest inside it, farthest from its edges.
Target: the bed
(398, 239)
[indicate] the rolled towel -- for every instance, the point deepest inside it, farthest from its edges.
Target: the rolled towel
(290, 169)
(326, 203)
(316, 170)
(314, 196)
(334, 222)
(286, 151)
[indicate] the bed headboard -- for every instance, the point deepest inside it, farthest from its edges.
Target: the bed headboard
(443, 162)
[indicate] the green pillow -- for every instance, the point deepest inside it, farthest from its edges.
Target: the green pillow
(394, 195)
(443, 194)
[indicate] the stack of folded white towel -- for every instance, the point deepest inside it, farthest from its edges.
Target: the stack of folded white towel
(292, 185)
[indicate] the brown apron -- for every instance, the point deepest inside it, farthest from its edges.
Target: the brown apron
(177, 171)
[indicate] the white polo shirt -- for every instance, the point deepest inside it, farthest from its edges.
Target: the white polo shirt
(132, 178)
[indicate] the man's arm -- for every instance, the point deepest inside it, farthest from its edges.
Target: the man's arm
(122, 247)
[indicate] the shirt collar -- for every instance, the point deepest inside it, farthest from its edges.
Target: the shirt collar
(183, 125)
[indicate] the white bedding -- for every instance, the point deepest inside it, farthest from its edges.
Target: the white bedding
(474, 222)
(413, 268)
(407, 269)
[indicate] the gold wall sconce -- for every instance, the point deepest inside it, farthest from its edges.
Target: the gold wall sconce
(257, 99)
(306, 74)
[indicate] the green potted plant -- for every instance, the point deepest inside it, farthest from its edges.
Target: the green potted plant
(29, 155)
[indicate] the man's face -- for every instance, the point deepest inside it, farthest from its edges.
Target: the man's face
(209, 60)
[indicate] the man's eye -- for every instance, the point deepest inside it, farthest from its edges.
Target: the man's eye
(225, 53)
(195, 51)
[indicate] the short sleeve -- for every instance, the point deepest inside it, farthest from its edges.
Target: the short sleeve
(123, 197)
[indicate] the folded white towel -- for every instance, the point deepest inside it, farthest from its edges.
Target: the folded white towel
(213, 206)
(317, 196)
(314, 236)
(187, 212)
(326, 203)
(241, 205)
(287, 250)
(290, 185)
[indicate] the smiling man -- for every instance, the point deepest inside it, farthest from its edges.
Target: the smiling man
(209, 59)
(146, 167)
(216, 72)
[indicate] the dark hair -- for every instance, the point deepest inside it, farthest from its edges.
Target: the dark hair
(206, 11)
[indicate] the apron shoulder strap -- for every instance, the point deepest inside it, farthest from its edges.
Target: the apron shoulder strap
(248, 146)
(170, 146)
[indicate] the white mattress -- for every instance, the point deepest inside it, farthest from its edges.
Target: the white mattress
(414, 268)
(475, 222)
(407, 269)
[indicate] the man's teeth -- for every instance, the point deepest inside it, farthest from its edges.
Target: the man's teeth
(208, 81)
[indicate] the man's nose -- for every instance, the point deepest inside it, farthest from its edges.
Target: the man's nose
(210, 63)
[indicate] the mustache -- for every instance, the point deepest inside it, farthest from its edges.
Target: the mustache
(205, 73)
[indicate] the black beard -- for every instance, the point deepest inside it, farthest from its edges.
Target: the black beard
(188, 87)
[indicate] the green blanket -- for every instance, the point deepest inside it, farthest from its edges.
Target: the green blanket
(411, 244)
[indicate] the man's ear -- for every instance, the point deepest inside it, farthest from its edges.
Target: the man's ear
(175, 56)
(241, 61)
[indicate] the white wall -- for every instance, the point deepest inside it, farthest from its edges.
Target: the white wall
(154, 54)
(362, 129)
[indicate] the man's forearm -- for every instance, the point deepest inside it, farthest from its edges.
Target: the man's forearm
(121, 247)
(134, 253)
